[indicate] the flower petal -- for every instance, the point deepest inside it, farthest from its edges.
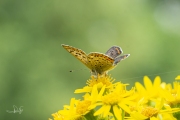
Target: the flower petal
(85, 89)
(154, 118)
(117, 112)
(124, 107)
(106, 110)
(140, 88)
(157, 82)
(148, 84)
(100, 111)
(178, 77)
(138, 116)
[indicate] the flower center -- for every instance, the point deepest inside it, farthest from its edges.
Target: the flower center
(107, 81)
(111, 99)
(149, 111)
(82, 107)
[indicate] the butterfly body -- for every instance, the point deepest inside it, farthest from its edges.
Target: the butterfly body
(98, 63)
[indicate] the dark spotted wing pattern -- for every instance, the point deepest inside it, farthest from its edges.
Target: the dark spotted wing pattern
(98, 63)
(78, 53)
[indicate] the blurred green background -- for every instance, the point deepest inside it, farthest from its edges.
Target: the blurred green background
(34, 68)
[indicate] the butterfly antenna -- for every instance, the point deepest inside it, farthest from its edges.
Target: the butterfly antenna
(77, 70)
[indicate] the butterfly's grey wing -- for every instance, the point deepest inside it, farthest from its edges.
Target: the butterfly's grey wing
(118, 59)
(114, 51)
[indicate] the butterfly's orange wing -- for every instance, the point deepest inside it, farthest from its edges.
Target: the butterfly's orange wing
(77, 53)
(99, 62)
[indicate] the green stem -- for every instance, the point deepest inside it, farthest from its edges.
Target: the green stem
(90, 116)
(123, 114)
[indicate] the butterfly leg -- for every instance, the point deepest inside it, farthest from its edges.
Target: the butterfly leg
(94, 73)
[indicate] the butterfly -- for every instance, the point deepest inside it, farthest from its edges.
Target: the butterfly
(98, 63)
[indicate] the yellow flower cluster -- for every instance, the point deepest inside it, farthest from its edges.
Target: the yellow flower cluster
(105, 99)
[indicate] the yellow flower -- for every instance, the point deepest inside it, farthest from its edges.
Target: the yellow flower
(79, 110)
(151, 103)
(178, 77)
(153, 111)
(94, 96)
(76, 111)
(116, 102)
(172, 94)
(57, 116)
(151, 90)
(100, 81)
